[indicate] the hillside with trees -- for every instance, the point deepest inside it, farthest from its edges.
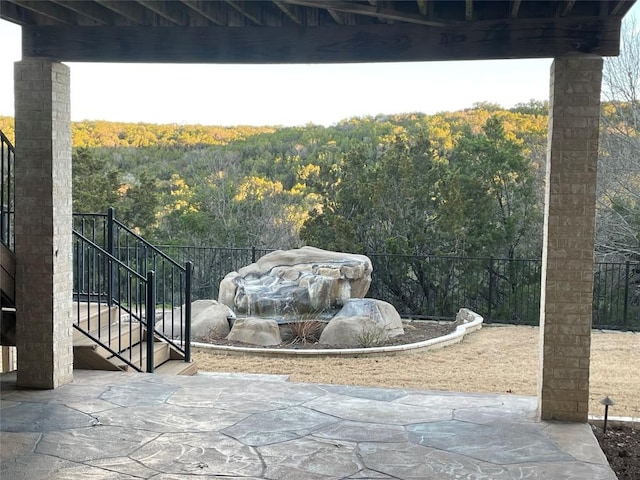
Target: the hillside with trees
(449, 206)
(400, 183)
(464, 183)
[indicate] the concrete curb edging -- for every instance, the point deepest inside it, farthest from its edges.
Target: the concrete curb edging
(471, 322)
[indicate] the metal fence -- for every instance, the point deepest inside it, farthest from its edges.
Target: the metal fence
(436, 287)
(7, 194)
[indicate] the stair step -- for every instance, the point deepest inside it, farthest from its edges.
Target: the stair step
(161, 353)
(118, 339)
(87, 358)
(88, 354)
(177, 367)
(90, 315)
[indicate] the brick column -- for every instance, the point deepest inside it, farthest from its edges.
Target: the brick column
(43, 224)
(568, 248)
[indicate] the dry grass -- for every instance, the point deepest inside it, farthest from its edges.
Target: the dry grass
(494, 359)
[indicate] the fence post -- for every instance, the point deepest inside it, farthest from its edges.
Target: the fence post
(490, 288)
(187, 311)
(253, 254)
(110, 250)
(626, 292)
(151, 319)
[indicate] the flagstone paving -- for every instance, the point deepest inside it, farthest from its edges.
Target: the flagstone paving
(110, 425)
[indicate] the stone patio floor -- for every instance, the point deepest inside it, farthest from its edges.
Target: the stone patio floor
(109, 425)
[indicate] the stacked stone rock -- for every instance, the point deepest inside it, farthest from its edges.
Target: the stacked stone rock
(308, 284)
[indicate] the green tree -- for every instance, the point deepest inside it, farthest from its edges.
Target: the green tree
(138, 205)
(498, 213)
(95, 182)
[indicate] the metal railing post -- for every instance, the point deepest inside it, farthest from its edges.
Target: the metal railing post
(110, 249)
(187, 311)
(626, 293)
(151, 319)
(253, 254)
(489, 312)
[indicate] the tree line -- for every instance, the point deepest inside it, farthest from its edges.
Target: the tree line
(463, 183)
(457, 183)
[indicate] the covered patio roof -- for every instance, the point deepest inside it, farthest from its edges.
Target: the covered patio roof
(312, 31)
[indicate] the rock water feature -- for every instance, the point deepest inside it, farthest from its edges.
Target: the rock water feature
(285, 292)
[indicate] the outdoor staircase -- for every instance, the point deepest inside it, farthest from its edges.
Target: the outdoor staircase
(127, 339)
(132, 302)
(7, 275)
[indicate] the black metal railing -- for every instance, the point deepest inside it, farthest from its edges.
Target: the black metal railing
(616, 295)
(101, 311)
(420, 286)
(7, 192)
(210, 265)
(172, 281)
(428, 286)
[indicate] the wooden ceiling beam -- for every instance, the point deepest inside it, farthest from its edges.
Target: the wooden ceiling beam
(336, 16)
(378, 5)
(515, 8)
(426, 8)
(167, 10)
(19, 15)
(135, 13)
(288, 11)
(205, 9)
(327, 44)
(342, 18)
(422, 7)
(46, 9)
(91, 10)
(368, 10)
(243, 11)
(564, 8)
(618, 7)
(468, 10)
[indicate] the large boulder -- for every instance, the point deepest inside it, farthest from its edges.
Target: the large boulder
(363, 322)
(209, 319)
(256, 331)
(296, 282)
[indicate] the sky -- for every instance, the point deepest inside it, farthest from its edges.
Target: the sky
(285, 95)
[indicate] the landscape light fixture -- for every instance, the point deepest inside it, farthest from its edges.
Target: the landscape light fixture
(606, 401)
